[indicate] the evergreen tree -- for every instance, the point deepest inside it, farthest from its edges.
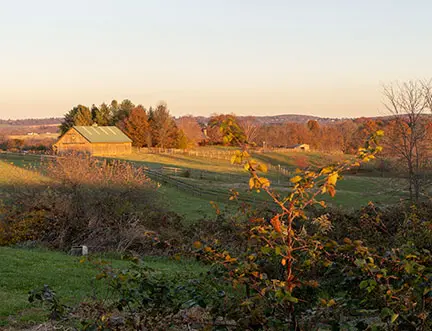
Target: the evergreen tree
(79, 115)
(83, 116)
(68, 120)
(102, 115)
(120, 112)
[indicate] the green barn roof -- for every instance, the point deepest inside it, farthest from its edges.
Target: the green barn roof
(103, 134)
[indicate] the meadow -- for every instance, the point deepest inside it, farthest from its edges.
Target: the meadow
(189, 182)
(217, 176)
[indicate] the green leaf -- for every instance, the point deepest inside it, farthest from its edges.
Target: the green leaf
(290, 298)
(386, 312)
(394, 318)
(364, 284)
(265, 250)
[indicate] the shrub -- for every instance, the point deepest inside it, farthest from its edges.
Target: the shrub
(102, 204)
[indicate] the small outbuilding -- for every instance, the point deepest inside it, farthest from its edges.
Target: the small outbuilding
(94, 140)
(300, 147)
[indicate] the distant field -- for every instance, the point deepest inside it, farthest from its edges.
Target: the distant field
(44, 131)
(40, 136)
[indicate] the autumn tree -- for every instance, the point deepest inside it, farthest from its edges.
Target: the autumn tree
(15, 144)
(183, 141)
(346, 130)
(409, 103)
(313, 125)
(365, 127)
(163, 128)
(136, 126)
(191, 130)
(314, 134)
(215, 124)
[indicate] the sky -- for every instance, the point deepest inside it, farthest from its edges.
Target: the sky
(250, 57)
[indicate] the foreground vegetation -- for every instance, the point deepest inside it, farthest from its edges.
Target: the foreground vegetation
(25, 269)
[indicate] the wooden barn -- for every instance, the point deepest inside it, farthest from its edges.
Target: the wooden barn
(95, 140)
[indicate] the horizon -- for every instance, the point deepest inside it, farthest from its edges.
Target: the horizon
(237, 115)
(315, 59)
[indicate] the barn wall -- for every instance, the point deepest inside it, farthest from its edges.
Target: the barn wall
(111, 148)
(72, 141)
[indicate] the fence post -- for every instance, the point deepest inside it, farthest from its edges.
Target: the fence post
(279, 171)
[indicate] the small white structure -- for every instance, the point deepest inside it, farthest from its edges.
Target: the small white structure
(79, 250)
(300, 147)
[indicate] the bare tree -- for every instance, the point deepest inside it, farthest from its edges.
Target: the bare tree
(250, 128)
(410, 104)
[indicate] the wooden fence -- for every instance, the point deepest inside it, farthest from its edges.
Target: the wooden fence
(196, 190)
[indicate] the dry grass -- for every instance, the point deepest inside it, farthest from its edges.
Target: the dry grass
(13, 175)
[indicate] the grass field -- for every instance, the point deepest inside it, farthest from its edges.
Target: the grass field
(215, 177)
(22, 270)
(353, 191)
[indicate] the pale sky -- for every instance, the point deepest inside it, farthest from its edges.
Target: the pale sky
(251, 57)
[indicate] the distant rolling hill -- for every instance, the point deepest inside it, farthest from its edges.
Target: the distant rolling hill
(278, 119)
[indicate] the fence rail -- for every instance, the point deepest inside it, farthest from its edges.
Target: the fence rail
(193, 189)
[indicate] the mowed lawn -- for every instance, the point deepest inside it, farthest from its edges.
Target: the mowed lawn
(22, 270)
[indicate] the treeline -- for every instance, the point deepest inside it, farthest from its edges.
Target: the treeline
(31, 121)
(156, 127)
(152, 127)
(339, 136)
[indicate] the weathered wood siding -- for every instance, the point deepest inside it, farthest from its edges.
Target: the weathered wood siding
(72, 141)
(111, 148)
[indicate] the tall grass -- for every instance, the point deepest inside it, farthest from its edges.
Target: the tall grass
(101, 204)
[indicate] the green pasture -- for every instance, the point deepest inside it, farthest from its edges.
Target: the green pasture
(354, 191)
(22, 270)
(213, 179)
